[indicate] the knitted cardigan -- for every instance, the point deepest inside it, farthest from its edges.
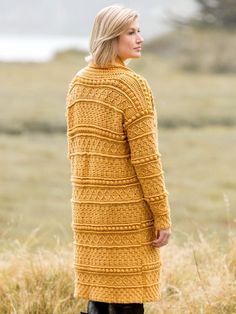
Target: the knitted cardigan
(119, 196)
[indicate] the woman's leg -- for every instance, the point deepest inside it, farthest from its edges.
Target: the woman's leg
(95, 307)
(129, 308)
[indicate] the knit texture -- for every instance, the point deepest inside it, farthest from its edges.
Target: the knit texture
(119, 196)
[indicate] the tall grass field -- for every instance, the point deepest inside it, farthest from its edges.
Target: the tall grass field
(197, 135)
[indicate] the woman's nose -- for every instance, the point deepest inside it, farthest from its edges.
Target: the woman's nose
(140, 39)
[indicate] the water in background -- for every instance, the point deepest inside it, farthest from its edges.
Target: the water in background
(37, 48)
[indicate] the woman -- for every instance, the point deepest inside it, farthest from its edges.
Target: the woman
(120, 209)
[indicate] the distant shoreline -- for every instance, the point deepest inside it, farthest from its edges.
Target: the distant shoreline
(37, 48)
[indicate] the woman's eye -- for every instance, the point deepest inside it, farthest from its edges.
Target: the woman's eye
(130, 33)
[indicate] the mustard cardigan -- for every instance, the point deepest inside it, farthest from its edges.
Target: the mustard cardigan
(118, 190)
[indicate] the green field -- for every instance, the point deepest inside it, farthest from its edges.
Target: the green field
(197, 136)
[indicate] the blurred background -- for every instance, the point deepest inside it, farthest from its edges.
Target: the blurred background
(189, 60)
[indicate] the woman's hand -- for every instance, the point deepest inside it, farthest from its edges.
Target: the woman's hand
(162, 237)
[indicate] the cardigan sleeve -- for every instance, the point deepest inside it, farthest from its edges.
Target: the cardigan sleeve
(68, 151)
(141, 131)
(70, 99)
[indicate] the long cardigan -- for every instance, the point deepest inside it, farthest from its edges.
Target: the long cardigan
(119, 196)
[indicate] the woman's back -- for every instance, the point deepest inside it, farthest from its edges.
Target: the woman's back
(118, 193)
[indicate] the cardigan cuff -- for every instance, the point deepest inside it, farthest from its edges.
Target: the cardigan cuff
(162, 222)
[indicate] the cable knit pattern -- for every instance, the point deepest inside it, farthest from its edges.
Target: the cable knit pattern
(118, 190)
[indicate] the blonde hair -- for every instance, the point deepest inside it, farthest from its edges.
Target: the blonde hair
(109, 23)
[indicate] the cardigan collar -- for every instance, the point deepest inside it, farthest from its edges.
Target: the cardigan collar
(117, 63)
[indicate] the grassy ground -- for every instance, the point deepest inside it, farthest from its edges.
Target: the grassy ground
(196, 278)
(197, 135)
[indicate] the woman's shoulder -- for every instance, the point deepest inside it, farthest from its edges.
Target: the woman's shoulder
(76, 77)
(135, 82)
(81, 71)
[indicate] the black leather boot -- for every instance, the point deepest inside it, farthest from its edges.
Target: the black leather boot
(129, 308)
(95, 307)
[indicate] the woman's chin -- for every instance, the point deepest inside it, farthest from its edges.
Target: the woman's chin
(136, 55)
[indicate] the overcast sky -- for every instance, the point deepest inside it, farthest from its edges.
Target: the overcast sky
(75, 17)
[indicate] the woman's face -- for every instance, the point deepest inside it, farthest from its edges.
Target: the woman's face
(129, 43)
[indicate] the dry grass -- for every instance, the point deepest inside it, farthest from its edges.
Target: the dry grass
(197, 277)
